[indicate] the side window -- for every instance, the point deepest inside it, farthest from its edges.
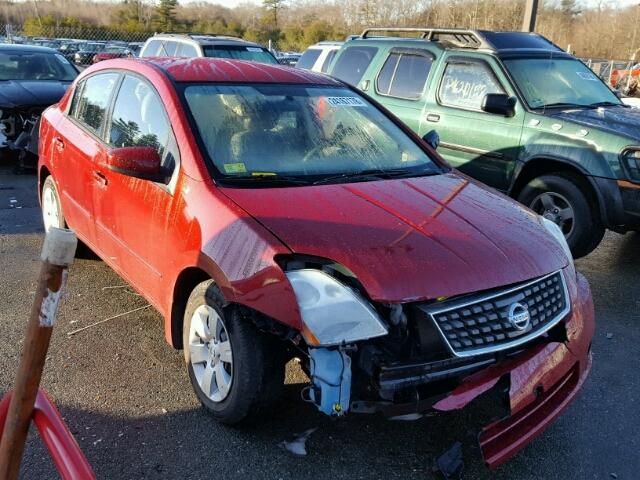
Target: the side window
(465, 84)
(352, 64)
(186, 50)
(93, 100)
(139, 120)
(327, 61)
(152, 48)
(308, 58)
(169, 49)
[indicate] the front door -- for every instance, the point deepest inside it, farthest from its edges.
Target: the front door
(483, 145)
(132, 215)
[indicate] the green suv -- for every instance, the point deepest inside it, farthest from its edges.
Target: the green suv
(516, 112)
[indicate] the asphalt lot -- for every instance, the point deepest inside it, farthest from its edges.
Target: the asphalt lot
(126, 396)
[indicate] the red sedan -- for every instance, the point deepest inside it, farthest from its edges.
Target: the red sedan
(271, 213)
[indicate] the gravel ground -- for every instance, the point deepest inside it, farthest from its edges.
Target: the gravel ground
(126, 396)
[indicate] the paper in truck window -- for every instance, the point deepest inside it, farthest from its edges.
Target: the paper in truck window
(345, 102)
(254, 49)
(587, 76)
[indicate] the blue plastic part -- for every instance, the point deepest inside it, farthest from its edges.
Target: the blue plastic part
(331, 378)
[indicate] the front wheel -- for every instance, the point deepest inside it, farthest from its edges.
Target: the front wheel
(563, 199)
(235, 370)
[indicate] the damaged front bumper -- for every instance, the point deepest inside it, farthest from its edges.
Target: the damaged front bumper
(542, 383)
(517, 392)
(19, 133)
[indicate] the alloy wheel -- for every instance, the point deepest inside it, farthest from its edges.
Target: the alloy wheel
(555, 207)
(210, 353)
(50, 208)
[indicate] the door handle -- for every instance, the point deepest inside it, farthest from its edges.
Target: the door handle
(59, 143)
(433, 117)
(100, 178)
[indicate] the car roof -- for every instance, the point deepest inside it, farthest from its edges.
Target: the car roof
(206, 39)
(207, 69)
(459, 39)
(19, 48)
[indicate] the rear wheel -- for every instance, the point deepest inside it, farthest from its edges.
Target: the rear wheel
(563, 198)
(235, 370)
(52, 215)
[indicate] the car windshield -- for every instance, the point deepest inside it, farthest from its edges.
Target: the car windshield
(559, 82)
(310, 133)
(35, 66)
(253, 54)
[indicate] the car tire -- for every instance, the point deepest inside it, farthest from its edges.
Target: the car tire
(239, 389)
(52, 214)
(552, 195)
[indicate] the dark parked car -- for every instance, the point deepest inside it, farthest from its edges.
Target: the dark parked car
(270, 213)
(87, 51)
(31, 79)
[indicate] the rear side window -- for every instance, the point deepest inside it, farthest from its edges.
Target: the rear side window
(93, 99)
(327, 61)
(464, 85)
(352, 64)
(187, 50)
(139, 120)
(152, 48)
(404, 75)
(308, 58)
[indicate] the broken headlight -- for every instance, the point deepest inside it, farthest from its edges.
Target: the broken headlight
(332, 312)
(631, 163)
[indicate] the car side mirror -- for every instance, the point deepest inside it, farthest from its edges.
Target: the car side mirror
(138, 162)
(432, 139)
(499, 104)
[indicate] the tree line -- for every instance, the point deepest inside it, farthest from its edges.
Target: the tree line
(602, 30)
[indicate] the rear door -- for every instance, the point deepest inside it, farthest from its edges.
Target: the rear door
(132, 215)
(482, 145)
(77, 146)
(401, 81)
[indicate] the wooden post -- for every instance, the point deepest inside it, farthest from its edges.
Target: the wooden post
(530, 15)
(57, 255)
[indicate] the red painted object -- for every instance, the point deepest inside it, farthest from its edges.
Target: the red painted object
(413, 242)
(59, 441)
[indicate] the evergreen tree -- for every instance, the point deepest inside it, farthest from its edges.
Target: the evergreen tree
(166, 13)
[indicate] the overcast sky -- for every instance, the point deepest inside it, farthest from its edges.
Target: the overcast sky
(234, 3)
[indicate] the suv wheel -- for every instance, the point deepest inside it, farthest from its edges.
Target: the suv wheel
(235, 370)
(563, 199)
(52, 215)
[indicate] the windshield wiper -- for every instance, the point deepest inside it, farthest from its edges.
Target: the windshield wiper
(375, 174)
(563, 105)
(267, 179)
(605, 104)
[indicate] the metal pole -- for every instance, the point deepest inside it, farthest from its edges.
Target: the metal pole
(57, 255)
(530, 14)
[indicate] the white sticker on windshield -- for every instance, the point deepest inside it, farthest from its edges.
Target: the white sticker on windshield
(587, 76)
(346, 102)
(254, 49)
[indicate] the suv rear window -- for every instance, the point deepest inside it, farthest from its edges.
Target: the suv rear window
(404, 75)
(352, 64)
(152, 48)
(308, 58)
(239, 52)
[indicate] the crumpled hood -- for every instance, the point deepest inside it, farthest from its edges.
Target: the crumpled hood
(28, 93)
(410, 239)
(617, 120)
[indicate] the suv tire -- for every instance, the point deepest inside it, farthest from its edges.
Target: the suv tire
(551, 195)
(245, 367)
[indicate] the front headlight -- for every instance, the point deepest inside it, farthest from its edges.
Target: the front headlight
(555, 230)
(332, 313)
(631, 163)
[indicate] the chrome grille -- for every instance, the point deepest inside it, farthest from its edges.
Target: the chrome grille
(480, 324)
